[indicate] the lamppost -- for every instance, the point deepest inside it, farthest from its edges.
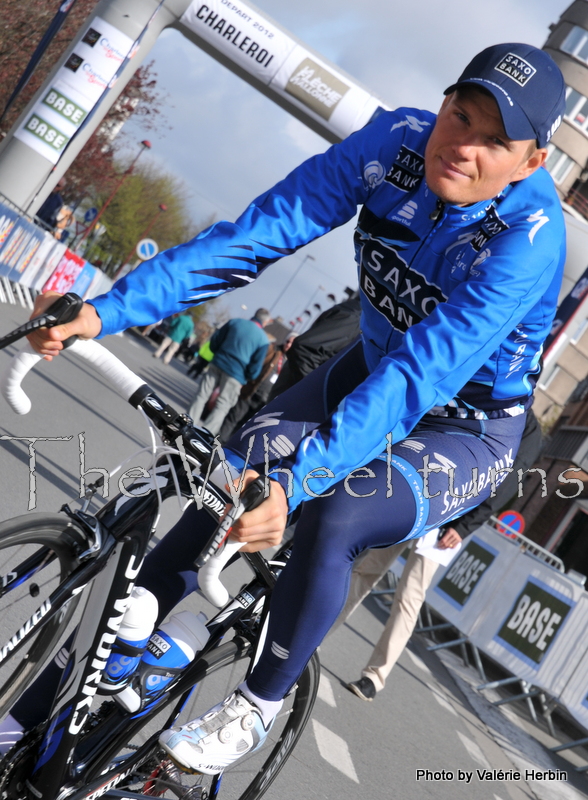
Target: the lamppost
(302, 263)
(161, 207)
(308, 311)
(145, 145)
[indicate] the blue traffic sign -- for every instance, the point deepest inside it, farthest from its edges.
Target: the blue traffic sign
(147, 248)
(90, 215)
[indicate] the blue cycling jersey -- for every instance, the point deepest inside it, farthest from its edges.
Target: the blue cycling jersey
(456, 301)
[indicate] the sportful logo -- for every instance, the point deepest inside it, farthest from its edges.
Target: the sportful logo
(519, 70)
(316, 87)
(408, 210)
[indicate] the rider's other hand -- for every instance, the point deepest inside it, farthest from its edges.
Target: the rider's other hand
(264, 526)
(47, 341)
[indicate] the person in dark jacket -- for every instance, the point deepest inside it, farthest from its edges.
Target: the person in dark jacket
(330, 333)
(239, 349)
(52, 205)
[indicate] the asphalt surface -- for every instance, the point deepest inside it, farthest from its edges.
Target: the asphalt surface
(430, 717)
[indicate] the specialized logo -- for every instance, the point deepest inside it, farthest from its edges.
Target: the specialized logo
(262, 421)
(407, 171)
(519, 70)
(106, 787)
(464, 574)
(316, 87)
(373, 174)
(31, 623)
(539, 218)
(533, 622)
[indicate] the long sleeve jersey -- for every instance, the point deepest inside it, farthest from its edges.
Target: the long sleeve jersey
(456, 301)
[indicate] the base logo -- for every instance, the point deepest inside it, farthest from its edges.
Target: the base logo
(533, 622)
(464, 574)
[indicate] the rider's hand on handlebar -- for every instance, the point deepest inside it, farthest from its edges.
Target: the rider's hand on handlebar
(47, 341)
(264, 526)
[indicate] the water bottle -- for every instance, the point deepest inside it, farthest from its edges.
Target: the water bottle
(171, 648)
(133, 635)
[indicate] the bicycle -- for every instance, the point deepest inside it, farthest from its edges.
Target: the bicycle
(46, 563)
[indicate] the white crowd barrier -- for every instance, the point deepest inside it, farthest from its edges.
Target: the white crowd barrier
(534, 625)
(461, 592)
(32, 258)
(574, 695)
(523, 612)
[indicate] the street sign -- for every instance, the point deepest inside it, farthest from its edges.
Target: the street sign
(90, 215)
(147, 248)
(514, 520)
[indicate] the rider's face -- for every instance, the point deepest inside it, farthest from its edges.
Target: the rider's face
(469, 157)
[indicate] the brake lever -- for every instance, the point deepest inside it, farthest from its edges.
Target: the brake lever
(63, 310)
(250, 498)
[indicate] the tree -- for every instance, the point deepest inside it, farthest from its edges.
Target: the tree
(21, 27)
(133, 209)
(97, 167)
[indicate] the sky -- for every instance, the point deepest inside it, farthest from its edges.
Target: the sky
(228, 143)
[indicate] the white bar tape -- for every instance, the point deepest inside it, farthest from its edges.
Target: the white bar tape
(13, 376)
(209, 582)
(120, 376)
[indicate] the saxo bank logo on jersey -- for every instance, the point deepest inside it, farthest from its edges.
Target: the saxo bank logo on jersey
(465, 573)
(400, 293)
(407, 171)
(533, 622)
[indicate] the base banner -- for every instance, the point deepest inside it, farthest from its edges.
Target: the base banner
(462, 591)
(535, 625)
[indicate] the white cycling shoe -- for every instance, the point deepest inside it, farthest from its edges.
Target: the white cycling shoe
(211, 743)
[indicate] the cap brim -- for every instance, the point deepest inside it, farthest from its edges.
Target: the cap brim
(516, 123)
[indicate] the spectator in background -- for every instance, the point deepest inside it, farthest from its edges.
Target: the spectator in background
(201, 360)
(182, 326)
(330, 333)
(239, 348)
(52, 205)
(254, 395)
(425, 556)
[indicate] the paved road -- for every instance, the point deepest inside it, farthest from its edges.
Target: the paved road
(428, 718)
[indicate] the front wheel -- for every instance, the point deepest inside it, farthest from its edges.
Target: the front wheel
(251, 776)
(37, 552)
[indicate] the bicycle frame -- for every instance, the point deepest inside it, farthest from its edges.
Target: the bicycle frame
(118, 536)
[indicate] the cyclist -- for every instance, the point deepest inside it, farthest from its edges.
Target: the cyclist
(460, 250)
